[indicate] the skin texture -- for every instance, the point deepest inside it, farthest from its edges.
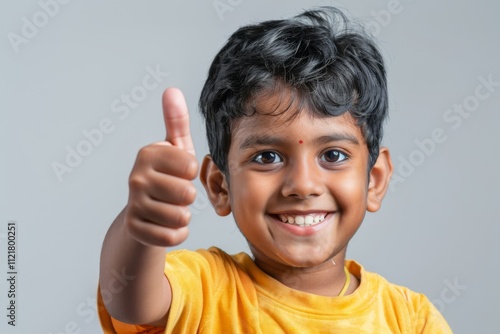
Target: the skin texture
(270, 173)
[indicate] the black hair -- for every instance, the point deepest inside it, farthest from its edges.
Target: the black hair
(329, 62)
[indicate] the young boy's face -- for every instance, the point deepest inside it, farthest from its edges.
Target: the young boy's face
(309, 171)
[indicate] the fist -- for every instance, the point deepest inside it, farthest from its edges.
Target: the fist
(160, 187)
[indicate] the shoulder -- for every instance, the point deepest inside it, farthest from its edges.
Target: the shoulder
(375, 282)
(413, 306)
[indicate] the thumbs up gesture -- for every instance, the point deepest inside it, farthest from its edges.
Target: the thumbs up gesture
(160, 187)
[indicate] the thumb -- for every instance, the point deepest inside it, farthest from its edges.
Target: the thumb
(176, 117)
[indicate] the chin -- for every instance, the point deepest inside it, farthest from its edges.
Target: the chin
(304, 258)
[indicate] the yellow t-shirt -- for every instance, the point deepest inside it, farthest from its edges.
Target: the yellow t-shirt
(214, 292)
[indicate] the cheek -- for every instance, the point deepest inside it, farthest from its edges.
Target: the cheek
(247, 195)
(351, 194)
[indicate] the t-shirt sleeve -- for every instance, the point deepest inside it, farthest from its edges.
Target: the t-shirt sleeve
(194, 282)
(428, 319)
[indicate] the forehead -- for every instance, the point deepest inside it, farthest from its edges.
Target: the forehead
(277, 113)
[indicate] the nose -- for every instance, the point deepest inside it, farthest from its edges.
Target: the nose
(303, 180)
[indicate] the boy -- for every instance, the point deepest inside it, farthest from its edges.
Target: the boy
(294, 112)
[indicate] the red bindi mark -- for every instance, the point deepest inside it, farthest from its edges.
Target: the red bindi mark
(301, 141)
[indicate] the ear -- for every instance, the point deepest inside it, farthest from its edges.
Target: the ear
(380, 176)
(215, 185)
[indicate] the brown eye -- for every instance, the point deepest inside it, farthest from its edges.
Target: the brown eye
(267, 157)
(333, 156)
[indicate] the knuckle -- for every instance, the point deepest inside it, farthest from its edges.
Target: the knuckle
(183, 216)
(191, 167)
(169, 238)
(144, 152)
(189, 194)
(149, 154)
(137, 182)
(173, 237)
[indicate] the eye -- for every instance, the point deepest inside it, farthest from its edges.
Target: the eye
(333, 156)
(267, 157)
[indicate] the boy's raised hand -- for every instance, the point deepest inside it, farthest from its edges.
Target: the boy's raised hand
(160, 187)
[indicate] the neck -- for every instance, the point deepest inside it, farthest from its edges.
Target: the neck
(325, 279)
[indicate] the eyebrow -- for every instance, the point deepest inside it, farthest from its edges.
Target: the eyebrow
(338, 137)
(267, 140)
(260, 140)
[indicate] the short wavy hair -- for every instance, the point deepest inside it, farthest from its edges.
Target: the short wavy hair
(327, 61)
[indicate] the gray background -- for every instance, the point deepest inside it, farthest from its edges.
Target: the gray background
(438, 226)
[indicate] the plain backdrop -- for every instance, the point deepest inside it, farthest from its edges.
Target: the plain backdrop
(67, 67)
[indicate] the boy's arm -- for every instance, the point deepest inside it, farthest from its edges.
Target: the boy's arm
(156, 216)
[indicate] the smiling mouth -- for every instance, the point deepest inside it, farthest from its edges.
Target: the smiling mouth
(302, 220)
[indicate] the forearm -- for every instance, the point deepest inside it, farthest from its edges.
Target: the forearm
(132, 280)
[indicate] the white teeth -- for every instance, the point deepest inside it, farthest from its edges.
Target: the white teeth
(308, 220)
(299, 220)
